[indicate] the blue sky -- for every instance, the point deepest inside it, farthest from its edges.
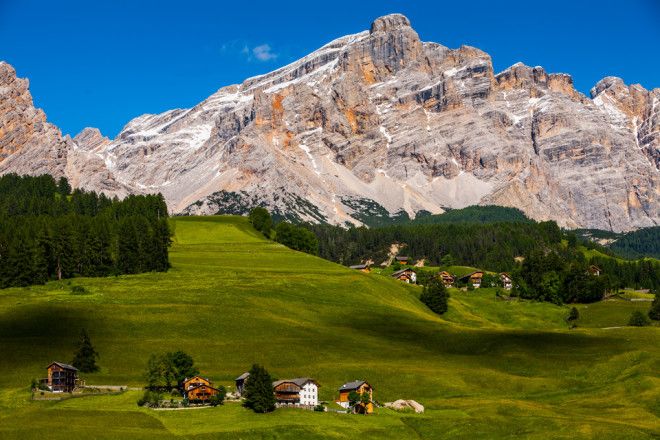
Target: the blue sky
(102, 63)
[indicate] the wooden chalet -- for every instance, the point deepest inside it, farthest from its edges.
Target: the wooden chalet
(446, 278)
(361, 267)
(198, 389)
(240, 382)
(474, 278)
(360, 387)
(406, 275)
(594, 270)
(507, 282)
(402, 259)
(301, 391)
(62, 378)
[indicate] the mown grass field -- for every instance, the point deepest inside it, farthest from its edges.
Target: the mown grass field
(488, 369)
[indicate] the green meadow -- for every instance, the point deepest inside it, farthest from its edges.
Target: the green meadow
(488, 369)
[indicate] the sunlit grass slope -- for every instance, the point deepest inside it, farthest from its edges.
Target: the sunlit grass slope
(488, 369)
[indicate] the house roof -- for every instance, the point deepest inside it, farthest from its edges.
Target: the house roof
(243, 376)
(358, 266)
(199, 386)
(402, 258)
(299, 381)
(65, 366)
(445, 273)
(473, 273)
(399, 272)
(505, 274)
(188, 379)
(349, 386)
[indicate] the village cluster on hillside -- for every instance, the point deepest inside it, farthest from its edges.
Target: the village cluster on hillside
(302, 392)
(473, 279)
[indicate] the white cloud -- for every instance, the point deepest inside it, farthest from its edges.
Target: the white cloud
(264, 52)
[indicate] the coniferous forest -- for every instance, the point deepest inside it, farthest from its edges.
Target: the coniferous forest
(49, 231)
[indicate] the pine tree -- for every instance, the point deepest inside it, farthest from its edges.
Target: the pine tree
(654, 312)
(85, 358)
(435, 296)
(258, 391)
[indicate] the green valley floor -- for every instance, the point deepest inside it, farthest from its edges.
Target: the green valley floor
(488, 369)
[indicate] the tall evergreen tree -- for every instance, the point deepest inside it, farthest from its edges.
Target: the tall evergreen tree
(435, 296)
(85, 357)
(258, 391)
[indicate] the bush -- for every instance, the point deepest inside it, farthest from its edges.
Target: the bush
(261, 220)
(654, 312)
(78, 290)
(218, 399)
(319, 408)
(150, 399)
(638, 319)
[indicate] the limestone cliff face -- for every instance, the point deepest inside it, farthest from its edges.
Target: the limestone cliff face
(377, 120)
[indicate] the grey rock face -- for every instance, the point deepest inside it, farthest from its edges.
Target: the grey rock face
(382, 117)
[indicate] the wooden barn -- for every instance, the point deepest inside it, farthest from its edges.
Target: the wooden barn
(360, 387)
(62, 378)
(361, 267)
(446, 278)
(594, 270)
(406, 275)
(240, 382)
(507, 282)
(300, 391)
(402, 260)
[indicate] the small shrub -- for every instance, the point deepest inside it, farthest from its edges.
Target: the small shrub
(150, 398)
(78, 290)
(654, 312)
(638, 319)
(319, 408)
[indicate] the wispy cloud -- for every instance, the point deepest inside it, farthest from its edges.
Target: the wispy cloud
(261, 53)
(264, 52)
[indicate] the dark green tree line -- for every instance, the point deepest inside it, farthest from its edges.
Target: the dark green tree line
(49, 232)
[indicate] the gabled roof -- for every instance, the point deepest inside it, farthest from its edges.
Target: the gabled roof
(188, 379)
(470, 274)
(505, 274)
(350, 386)
(402, 258)
(200, 386)
(359, 266)
(299, 381)
(243, 376)
(399, 272)
(65, 366)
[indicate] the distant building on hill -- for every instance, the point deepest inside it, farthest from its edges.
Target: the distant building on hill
(240, 382)
(402, 259)
(198, 389)
(62, 378)
(406, 275)
(361, 267)
(446, 278)
(301, 391)
(594, 270)
(360, 387)
(473, 278)
(507, 282)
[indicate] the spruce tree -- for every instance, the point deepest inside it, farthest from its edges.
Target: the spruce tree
(435, 296)
(85, 358)
(258, 391)
(654, 312)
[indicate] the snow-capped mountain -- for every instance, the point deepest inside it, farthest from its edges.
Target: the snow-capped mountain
(375, 123)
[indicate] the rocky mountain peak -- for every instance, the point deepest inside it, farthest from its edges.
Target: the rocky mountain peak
(90, 139)
(389, 23)
(376, 123)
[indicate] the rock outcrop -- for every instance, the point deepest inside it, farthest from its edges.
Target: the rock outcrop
(378, 121)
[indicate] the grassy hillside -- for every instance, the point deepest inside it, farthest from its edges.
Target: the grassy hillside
(489, 369)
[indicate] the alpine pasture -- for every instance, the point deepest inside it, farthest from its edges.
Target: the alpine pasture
(487, 369)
